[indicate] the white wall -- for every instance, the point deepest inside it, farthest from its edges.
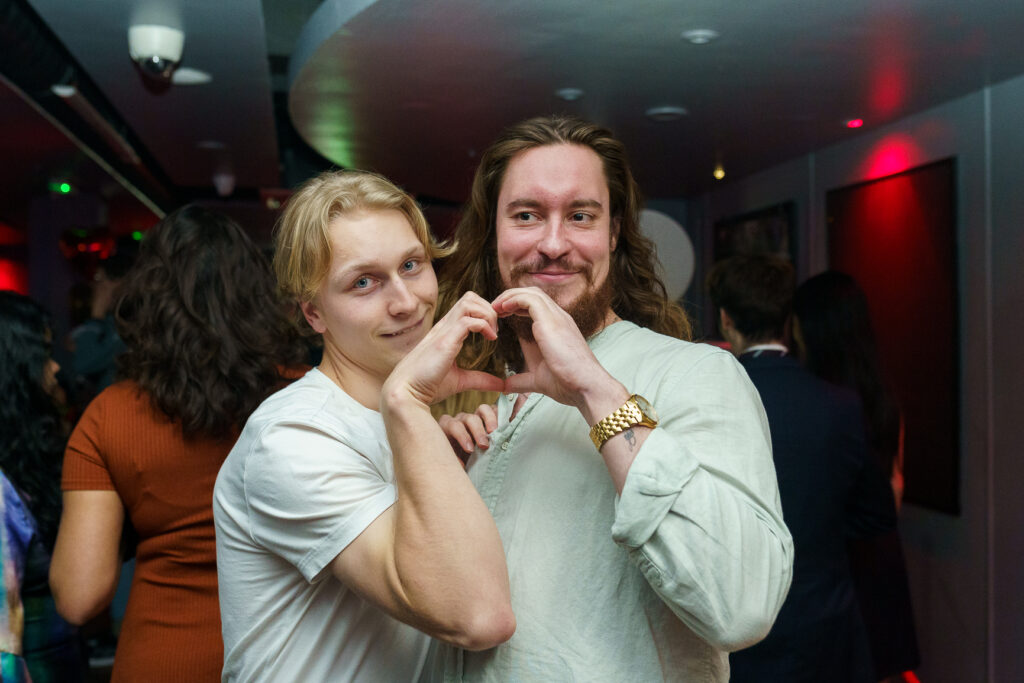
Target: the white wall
(965, 573)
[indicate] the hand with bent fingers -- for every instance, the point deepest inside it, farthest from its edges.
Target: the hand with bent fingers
(467, 431)
(429, 372)
(559, 362)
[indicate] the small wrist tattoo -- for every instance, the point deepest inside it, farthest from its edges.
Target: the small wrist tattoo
(630, 438)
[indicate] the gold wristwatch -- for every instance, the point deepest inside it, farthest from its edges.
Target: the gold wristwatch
(635, 411)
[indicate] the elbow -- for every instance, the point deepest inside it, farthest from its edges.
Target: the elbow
(486, 628)
(75, 611)
(76, 604)
(743, 633)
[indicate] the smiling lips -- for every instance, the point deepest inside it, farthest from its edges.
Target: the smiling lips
(402, 331)
(553, 275)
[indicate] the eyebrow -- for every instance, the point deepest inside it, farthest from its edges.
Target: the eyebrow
(533, 204)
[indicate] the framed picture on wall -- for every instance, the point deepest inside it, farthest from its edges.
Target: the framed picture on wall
(771, 229)
(897, 237)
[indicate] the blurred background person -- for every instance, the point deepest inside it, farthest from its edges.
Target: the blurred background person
(207, 339)
(33, 637)
(833, 332)
(95, 343)
(830, 487)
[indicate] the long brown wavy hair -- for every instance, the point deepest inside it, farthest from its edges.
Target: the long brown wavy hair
(639, 294)
(208, 337)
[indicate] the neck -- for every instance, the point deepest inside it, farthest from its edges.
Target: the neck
(358, 382)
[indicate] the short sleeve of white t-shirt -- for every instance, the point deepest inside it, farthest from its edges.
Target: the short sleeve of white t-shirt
(308, 509)
(310, 472)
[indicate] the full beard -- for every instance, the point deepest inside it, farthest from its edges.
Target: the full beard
(589, 311)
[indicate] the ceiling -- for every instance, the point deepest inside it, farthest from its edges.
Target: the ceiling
(417, 89)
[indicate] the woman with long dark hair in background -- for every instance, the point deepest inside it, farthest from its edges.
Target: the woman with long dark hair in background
(207, 340)
(33, 638)
(833, 331)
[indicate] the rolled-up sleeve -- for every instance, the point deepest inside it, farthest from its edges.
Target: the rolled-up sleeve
(699, 512)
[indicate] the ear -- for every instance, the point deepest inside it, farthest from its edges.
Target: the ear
(724, 321)
(616, 223)
(313, 316)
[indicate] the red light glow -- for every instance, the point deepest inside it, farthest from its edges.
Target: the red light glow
(892, 154)
(14, 276)
(855, 123)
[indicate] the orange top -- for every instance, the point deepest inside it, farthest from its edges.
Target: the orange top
(171, 629)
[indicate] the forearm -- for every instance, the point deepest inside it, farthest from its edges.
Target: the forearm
(449, 562)
(715, 549)
(602, 396)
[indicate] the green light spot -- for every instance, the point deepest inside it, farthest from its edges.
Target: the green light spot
(65, 188)
(137, 236)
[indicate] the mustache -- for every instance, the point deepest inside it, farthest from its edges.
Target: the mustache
(520, 269)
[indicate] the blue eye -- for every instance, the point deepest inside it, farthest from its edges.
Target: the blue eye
(409, 265)
(362, 283)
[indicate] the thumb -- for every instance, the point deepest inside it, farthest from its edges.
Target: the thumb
(520, 383)
(480, 381)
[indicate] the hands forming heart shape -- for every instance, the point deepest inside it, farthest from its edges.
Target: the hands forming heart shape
(559, 363)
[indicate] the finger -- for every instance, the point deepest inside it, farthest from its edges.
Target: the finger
(475, 305)
(519, 383)
(479, 380)
(456, 432)
(488, 415)
(476, 429)
(472, 310)
(527, 301)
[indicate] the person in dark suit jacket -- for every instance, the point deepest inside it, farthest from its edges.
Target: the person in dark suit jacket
(830, 488)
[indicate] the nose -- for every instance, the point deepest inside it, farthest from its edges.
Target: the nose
(553, 242)
(403, 300)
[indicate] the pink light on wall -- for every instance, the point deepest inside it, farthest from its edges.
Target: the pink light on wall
(892, 154)
(14, 276)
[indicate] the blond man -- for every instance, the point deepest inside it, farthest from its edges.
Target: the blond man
(347, 530)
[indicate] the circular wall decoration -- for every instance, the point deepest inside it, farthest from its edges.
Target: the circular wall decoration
(675, 250)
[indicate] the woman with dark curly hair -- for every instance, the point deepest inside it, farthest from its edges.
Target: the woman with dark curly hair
(207, 340)
(32, 437)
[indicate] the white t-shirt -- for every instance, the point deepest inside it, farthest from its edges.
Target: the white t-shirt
(311, 470)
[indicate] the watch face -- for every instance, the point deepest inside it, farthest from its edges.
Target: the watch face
(646, 408)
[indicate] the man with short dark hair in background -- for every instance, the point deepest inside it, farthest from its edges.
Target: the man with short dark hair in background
(831, 491)
(629, 472)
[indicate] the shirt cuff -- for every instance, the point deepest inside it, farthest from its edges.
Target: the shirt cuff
(655, 478)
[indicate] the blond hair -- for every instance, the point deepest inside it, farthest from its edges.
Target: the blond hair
(302, 244)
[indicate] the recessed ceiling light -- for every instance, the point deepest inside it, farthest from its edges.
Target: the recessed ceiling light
(569, 94)
(719, 172)
(186, 76)
(662, 114)
(854, 123)
(700, 36)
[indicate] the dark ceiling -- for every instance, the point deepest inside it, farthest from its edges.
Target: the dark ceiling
(415, 90)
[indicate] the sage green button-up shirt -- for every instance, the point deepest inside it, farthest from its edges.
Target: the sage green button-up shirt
(693, 560)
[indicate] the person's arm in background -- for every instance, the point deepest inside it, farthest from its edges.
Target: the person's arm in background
(86, 559)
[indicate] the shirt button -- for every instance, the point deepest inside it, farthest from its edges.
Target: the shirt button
(504, 446)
